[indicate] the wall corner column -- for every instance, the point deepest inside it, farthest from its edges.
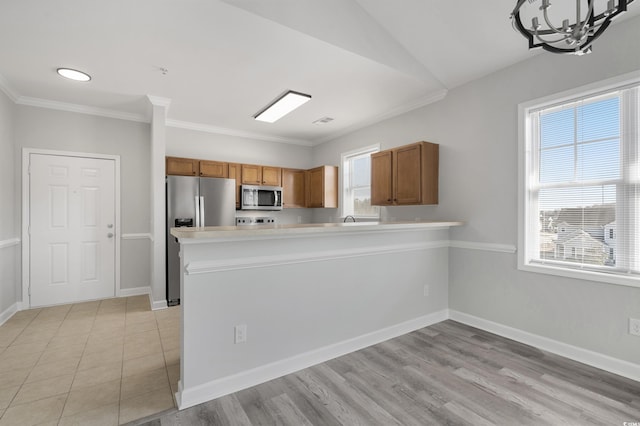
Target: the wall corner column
(159, 108)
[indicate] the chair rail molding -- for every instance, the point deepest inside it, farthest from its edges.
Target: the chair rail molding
(9, 243)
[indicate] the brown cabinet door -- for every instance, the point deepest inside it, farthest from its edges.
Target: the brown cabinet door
(251, 174)
(315, 187)
(214, 169)
(293, 188)
(381, 179)
(407, 176)
(235, 172)
(430, 172)
(181, 166)
(271, 176)
(322, 187)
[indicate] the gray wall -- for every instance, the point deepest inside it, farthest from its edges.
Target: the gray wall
(65, 131)
(209, 146)
(9, 224)
(476, 127)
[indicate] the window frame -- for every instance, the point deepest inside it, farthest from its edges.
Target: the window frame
(370, 149)
(526, 172)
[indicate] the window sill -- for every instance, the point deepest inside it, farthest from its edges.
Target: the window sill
(625, 280)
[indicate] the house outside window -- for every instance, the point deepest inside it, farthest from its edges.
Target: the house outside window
(580, 183)
(356, 183)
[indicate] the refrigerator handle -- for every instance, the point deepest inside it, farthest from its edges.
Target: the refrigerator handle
(202, 211)
(197, 224)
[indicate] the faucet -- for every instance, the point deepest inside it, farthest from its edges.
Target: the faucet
(349, 216)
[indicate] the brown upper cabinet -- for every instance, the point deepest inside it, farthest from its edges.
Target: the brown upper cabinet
(251, 174)
(317, 187)
(182, 166)
(271, 176)
(293, 188)
(191, 167)
(214, 169)
(261, 175)
(405, 175)
(322, 187)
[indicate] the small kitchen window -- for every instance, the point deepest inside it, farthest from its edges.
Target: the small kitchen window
(356, 183)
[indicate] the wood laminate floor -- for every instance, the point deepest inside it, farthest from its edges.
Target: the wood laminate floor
(446, 374)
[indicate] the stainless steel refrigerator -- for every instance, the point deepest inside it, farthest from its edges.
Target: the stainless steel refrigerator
(193, 201)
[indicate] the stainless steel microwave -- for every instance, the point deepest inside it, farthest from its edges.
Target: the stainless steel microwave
(258, 197)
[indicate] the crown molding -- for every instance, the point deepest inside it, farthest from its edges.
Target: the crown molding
(410, 106)
(159, 101)
(166, 102)
(8, 90)
(232, 132)
(81, 109)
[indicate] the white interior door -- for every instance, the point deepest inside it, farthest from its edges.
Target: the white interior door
(72, 229)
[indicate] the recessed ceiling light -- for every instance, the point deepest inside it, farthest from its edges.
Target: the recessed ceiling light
(73, 74)
(282, 106)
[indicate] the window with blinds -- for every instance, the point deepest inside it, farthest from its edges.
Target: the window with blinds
(582, 189)
(356, 183)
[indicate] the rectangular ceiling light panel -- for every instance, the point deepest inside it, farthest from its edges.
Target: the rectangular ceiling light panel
(282, 106)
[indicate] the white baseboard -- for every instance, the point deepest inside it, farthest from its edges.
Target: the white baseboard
(604, 362)
(139, 291)
(135, 291)
(189, 397)
(158, 304)
(8, 313)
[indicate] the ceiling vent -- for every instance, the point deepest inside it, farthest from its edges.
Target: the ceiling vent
(323, 120)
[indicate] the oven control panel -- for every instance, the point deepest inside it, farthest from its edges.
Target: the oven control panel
(255, 221)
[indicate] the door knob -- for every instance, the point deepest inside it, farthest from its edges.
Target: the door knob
(110, 235)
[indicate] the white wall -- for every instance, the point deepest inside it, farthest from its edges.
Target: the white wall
(209, 146)
(9, 225)
(304, 298)
(476, 127)
(65, 131)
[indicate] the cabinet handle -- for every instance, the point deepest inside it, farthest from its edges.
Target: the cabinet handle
(389, 199)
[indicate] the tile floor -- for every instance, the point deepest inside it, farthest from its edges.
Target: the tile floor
(106, 362)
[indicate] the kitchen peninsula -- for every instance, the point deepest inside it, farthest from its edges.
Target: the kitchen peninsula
(259, 303)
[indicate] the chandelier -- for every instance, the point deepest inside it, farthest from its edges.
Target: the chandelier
(590, 19)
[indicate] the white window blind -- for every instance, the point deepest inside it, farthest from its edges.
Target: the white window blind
(582, 197)
(356, 183)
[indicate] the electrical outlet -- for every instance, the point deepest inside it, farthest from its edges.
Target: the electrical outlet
(240, 333)
(634, 326)
(426, 290)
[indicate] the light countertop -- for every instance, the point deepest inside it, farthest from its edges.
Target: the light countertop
(232, 232)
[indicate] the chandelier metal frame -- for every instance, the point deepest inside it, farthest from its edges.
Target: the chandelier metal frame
(572, 38)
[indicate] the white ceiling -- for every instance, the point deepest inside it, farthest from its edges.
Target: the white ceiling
(361, 60)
